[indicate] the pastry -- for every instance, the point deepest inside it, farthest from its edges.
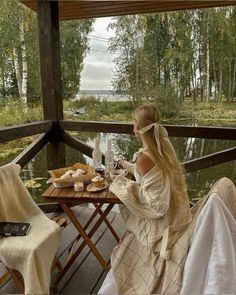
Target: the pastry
(98, 181)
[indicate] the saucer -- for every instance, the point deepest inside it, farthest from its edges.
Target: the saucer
(92, 188)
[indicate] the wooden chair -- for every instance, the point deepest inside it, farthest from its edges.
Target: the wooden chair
(17, 277)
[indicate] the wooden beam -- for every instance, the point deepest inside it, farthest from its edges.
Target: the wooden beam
(79, 145)
(88, 9)
(228, 133)
(29, 153)
(210, 160)
(55, 149)
(15, 132)
(92, 126)
(49, 45)
(173, 130)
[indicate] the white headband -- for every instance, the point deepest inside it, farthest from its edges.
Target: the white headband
(157, 128)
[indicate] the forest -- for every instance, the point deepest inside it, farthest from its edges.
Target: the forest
(179, 54)
(19, 53)
(171, 57)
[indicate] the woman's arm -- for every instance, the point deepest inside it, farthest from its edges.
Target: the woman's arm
(150, 199)
(129, 167)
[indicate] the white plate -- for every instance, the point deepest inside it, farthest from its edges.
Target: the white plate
(92, 188)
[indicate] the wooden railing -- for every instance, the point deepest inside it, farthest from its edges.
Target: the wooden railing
(48, 133)
(174, 131)
(20, 131)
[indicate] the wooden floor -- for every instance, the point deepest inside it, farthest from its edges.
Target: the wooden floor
(86, 275)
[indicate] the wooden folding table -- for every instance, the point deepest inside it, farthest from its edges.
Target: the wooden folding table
(66, 197)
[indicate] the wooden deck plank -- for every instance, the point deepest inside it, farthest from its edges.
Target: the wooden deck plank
(83, 219)
(89, 263)
(86, 275)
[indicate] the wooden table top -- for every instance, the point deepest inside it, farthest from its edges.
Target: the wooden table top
(68, 194)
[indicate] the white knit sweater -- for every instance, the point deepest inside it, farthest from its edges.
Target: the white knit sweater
(150, 210)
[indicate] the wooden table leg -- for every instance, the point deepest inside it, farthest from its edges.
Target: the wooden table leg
(95, 212)
(87, 239)
(97, 206)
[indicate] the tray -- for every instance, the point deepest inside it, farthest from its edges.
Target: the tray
(69, 181)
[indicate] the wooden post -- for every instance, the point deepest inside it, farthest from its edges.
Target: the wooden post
(49, 45)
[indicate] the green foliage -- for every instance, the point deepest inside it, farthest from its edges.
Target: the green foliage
(172, 110)
(131, 65)
(12, 113)
(167, 100)
(193, 51)
(100, 110)
(84, 101)
(74, 43)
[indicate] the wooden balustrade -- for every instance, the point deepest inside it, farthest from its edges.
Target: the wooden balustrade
(20, 131)
(210, 160)
(15, 132)
(173, 130)
(55, 133)
(31, 151)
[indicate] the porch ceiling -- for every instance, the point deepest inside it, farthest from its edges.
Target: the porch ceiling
(69, 10)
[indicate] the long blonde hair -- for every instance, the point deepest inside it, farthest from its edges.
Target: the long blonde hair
(148, 114)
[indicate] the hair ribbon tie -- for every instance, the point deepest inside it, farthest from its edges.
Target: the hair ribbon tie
(156, 127)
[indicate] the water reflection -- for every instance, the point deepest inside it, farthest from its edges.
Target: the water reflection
(35, 173)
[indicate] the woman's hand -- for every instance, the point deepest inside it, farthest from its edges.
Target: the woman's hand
(120, 163)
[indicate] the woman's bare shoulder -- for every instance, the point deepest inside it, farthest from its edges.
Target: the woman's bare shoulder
(144, 164)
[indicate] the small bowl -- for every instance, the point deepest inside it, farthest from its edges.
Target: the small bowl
(78, 186)
(116, 172)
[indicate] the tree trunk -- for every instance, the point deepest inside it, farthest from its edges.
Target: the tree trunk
(3, 79)
(230, 82)
(24, 64)
(220, 84)
(233, 85)
(207, 61)
(215, 77)
(199, 85)
(17, 70)
(194, 81)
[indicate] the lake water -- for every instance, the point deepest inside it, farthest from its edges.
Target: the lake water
(35, 173)
(101, 95)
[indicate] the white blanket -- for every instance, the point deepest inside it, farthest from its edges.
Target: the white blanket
(32, 255)
(210, 267)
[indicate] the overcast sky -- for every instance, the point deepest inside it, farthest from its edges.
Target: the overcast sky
(98, 63)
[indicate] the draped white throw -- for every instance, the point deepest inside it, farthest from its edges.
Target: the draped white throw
(32, 255)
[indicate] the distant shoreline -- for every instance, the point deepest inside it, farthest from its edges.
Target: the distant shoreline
(109, 95)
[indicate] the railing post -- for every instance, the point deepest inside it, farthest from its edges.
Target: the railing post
(49, 45)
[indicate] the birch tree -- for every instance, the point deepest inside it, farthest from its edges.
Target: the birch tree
(131, 67)
(74, 44)
(14, 12)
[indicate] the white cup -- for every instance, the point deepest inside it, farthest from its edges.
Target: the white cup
(115, 172)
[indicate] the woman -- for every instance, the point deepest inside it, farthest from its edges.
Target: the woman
(156, 212)
(160, 226)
